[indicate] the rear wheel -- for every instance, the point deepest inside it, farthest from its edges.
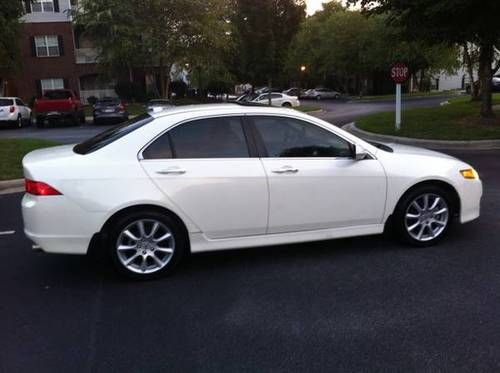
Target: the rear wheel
(423, 216)
(318, 97)
(19, 122)
(146, 245)
(286, 104)
(40, 122)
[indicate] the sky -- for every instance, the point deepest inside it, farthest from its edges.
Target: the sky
(314, 5)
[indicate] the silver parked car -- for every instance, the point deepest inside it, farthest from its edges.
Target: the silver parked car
(158, 104)
(14, 111)
(321, 93)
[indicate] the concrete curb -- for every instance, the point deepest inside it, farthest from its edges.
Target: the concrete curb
(11, 186)
(435, 144)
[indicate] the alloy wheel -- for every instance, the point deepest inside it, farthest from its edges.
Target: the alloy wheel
(427, 217)
(145, 246)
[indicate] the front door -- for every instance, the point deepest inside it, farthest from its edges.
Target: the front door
(206, 168)
(314, 182)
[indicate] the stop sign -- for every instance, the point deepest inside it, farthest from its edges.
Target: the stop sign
(400, 73)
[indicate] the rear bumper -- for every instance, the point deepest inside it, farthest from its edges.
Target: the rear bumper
(57, 225)
(110, 116)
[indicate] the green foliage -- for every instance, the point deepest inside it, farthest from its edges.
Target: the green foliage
(10, 12)
(457, 121)
(262, 33)
(342, 42)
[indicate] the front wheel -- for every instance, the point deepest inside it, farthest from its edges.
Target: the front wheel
(423, 216)
(146, 245)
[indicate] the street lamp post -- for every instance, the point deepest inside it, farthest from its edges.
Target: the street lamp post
(302, 71)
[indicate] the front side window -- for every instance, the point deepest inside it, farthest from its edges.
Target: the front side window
(47, 46)
(289, 137)
(50, 84)
(42, 6)
(221, 137)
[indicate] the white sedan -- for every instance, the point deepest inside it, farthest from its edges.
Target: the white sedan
(278, 99)
(13, 110)
(226, 176)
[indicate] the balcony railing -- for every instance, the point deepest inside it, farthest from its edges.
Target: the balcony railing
(86, 55)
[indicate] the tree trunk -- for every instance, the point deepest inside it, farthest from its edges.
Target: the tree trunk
(162, 78)
(485, 75)
(474, 88)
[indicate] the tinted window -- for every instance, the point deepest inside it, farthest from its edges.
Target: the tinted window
(288, 137)
(57, 95)
(6, 102)
(111, 135)
(159, 149)
(275, 95)
(209, 138)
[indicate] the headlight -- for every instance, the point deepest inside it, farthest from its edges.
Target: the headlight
(470, 174)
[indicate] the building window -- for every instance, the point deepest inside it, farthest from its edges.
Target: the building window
(42, 6)
(48, 84)
(47, 46)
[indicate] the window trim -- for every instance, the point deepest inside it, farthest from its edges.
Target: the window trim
(42, 2)
(252, 149)
(263, 150)
(47, 46)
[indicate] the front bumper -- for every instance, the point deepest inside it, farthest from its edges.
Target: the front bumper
(470, 193)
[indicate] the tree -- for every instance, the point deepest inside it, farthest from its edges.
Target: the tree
(262, 33)
(152, 34)
(345, 44)
(452, 22)
(10, 12)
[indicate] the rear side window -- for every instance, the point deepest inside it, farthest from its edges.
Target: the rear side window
(288, 137)
(6, 102)
(111, 135)
(221, 137)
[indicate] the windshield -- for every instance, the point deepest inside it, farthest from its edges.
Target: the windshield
(111, 135)
(6, 102)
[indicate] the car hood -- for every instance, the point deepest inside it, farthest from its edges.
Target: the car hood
(413, 150)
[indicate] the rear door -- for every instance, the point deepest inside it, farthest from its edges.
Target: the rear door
(209, 169)
(314, 182)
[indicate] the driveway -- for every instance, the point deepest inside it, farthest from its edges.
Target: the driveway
(338, 112)
(352, 305)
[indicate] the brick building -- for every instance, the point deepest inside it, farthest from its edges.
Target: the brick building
(54, 54)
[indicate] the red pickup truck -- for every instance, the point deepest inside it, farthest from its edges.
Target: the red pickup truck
(58, 104)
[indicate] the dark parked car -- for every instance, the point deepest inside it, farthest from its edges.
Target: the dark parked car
(110, 110)
(495, 82)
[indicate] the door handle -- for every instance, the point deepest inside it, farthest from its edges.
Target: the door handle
(172, 171)
(286, 170)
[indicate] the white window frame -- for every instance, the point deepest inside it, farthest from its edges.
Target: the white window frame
(47, 42)
(45, 6)
(52, 83)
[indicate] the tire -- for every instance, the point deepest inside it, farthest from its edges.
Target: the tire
(337, 97)
(428, 223)
(19, 122)
(318, 98)
(143, 259)
(40, 122)
(286, 104)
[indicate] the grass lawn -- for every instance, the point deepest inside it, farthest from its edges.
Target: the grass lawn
(457, 121)
(12, 152)
(406, 95)
(307, 109)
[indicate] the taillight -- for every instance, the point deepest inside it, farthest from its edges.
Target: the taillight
(121, 107)
(12, 109)
(37, 188)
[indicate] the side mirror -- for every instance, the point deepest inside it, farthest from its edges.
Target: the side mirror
(360, 153)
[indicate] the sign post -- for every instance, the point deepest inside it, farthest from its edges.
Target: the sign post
(399, 73)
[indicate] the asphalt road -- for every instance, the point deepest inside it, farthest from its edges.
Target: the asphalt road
(362, 304)
(338, 112)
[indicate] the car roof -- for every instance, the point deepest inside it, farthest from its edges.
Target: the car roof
(224, 108)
